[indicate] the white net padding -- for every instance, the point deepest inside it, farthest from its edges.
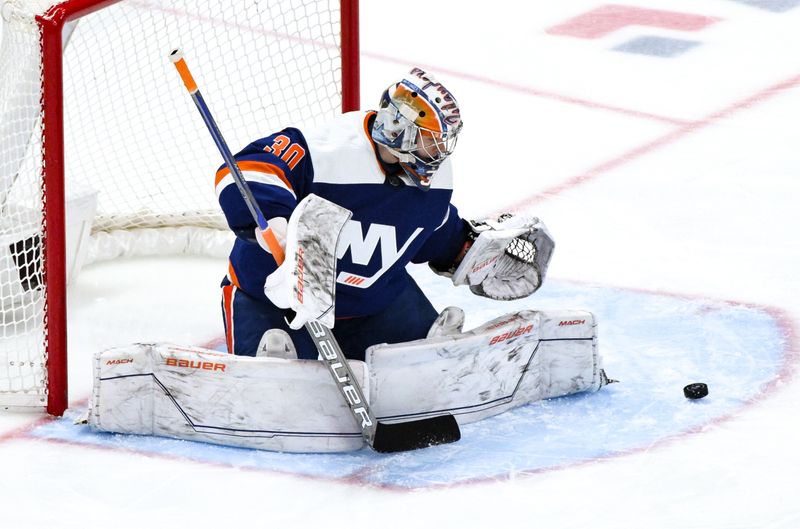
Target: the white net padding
(133, 137)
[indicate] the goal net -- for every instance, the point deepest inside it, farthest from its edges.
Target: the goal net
(102, 153)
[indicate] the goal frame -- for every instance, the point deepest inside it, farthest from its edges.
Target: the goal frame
(54, 273)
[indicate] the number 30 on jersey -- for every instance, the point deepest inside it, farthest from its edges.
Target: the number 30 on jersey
(289, 152)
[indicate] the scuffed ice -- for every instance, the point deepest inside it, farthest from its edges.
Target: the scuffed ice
(654, 344)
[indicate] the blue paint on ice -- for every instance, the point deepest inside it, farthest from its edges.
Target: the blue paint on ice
(657, 46)
(654, 344)
(776, 6)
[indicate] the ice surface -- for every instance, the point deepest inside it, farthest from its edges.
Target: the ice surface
(739, 351)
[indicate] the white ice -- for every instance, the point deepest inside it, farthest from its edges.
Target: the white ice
(673, 176)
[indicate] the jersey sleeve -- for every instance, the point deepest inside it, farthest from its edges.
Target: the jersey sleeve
(444, 245)
(278, 172)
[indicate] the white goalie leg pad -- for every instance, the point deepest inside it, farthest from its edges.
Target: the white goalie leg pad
(510, 361)
(202, 395)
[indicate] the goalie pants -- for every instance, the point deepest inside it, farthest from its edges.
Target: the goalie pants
(246, 318)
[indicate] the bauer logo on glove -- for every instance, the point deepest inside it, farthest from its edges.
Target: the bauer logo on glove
(508, 258)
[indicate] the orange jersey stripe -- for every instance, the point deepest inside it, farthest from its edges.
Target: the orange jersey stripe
(366, 123)
(232, 275)
(228, 292)
(259, 167)
(371, 141)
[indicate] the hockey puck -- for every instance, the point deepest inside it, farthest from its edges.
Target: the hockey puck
(694, 391)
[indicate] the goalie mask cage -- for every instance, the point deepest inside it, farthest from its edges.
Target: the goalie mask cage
(90, 107)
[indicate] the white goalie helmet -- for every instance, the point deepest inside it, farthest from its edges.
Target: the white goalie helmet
(418, 121)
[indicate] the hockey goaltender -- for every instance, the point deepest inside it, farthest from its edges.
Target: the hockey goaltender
(326, 278)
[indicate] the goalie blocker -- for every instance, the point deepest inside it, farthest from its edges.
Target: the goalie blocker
(294, 406)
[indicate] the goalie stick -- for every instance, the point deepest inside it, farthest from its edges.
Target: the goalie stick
(382, 437)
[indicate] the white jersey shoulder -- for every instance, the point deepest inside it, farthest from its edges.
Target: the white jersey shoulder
(343, 153)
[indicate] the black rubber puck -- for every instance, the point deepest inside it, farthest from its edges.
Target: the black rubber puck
(697, 390)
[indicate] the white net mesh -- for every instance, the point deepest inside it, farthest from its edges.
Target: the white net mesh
(261, 65)
(132, 134)
(22, 372)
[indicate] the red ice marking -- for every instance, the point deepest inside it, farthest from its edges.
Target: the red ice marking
(362, 476)
(528, 90)
(652, 145)
(216, 344)
(23, 431)
(610, 18)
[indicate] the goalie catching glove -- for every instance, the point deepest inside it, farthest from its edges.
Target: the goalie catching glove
(505, 258)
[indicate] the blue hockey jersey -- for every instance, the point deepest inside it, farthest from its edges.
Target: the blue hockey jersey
(391, 226)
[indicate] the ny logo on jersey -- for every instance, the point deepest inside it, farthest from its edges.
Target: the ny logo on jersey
(362, 248)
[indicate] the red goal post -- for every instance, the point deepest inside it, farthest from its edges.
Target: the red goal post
(83, 105)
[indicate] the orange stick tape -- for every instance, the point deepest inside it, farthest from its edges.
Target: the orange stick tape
(274, 246)
(186, 75)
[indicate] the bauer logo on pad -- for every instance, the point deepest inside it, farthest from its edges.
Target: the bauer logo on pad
(510, 334)
(195, 364)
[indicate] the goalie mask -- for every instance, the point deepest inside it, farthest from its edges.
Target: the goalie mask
(418, 121)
